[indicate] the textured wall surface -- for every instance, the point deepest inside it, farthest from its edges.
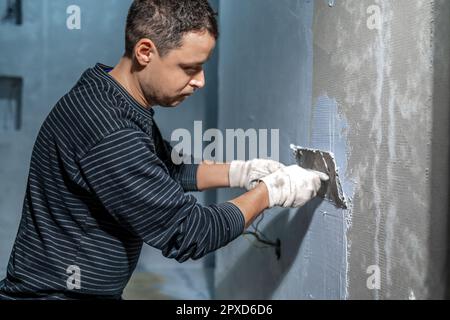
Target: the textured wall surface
(440, 154)
(372, 88)
(375, 59)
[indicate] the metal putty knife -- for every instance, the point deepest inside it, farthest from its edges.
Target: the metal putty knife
(324, 162)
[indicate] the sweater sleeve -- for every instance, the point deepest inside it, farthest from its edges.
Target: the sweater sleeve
(185, 174)
(135, 187)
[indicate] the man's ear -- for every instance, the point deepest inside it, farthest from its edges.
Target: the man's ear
(145, 51)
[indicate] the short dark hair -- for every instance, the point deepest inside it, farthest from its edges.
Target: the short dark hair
(165, 22)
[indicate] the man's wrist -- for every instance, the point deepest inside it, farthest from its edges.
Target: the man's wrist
(262, 189)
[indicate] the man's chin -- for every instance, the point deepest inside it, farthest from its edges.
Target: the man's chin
(176, 103)
(173, 103)
(170, 105)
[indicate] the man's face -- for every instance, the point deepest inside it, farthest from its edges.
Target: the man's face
(169, 80)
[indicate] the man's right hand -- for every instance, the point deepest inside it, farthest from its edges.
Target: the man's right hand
(292, 187)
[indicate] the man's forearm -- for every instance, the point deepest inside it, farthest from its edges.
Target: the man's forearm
(213, 175)
(252, 203)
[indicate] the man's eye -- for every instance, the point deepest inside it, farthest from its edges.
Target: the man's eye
(192, 71)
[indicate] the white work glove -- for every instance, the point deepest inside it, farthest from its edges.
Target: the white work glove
(292, 187)
(246, 174)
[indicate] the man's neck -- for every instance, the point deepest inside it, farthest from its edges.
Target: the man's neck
(123, 74)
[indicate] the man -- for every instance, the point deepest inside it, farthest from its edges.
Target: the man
(101, 179)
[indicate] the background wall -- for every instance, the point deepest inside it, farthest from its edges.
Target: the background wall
(265, 81)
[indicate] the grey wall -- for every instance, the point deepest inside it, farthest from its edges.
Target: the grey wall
(382, 81)
(377, 98)
(440, 173)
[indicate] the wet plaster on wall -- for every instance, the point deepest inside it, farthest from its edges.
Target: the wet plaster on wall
(329, 133)
(378, 70)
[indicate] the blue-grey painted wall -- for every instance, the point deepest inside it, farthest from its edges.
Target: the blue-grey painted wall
(265, 81)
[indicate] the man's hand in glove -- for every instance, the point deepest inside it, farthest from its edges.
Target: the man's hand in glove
(246, 174)
(292, 187)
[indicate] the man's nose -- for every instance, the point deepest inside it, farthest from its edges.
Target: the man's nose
(198, 82)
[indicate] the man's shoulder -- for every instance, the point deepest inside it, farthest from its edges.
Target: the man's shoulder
(93, 109)
(87, 114)
(88, 107)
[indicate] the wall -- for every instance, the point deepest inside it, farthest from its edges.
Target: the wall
(381, 75)
(439, 277)
(367, 80)
(265, 72)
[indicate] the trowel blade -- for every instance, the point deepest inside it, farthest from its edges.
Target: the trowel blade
(324, 162)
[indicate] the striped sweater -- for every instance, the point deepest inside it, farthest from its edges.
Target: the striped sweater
(102, 183)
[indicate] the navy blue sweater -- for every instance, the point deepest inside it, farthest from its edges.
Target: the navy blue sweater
(102, 183)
